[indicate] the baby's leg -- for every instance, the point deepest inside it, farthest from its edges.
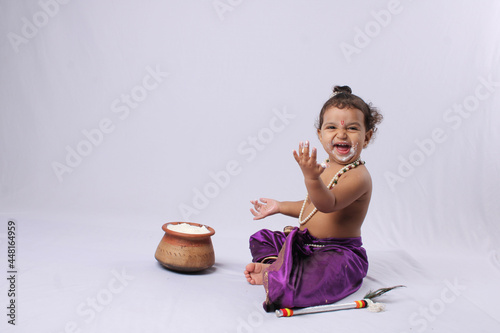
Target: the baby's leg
(255, 272)
(265, 244)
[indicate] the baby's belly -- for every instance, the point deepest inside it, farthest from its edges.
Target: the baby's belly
(328, 226)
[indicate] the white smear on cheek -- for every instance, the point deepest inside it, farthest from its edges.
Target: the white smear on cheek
(347, 157)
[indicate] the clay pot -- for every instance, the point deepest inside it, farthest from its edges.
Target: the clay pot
(186, 252)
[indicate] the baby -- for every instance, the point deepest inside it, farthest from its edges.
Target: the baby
(322, 260)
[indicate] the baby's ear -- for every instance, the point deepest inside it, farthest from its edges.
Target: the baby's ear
(319, 134)
(368, 137)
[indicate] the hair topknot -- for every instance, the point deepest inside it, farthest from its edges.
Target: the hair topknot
(342, 89)
(343, 97)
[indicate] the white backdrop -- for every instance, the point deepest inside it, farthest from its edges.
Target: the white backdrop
(119, 116)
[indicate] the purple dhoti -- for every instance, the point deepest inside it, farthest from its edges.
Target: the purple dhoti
(307, 271)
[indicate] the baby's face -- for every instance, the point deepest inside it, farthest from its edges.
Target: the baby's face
(343, 134)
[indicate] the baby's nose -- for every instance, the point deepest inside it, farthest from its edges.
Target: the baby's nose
(342, 133)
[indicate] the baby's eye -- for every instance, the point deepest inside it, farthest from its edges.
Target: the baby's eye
(330, 127)
(353, 128)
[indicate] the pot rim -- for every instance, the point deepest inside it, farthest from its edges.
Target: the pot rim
(182, 234)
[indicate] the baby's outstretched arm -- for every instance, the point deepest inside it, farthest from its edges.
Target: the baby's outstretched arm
(267, 207)
(264, 208)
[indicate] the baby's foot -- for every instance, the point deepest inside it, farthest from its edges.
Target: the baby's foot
(254, 272)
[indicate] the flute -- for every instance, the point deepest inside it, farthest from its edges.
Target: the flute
(286, 312)
(364, 303)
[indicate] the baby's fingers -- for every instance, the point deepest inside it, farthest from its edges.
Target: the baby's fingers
(254, 213)
(314, 154)
(305, 149)
(257, 216)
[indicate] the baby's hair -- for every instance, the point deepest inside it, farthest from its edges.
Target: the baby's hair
(343, 97)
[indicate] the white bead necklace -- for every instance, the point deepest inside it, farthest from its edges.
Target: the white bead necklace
(332, 183)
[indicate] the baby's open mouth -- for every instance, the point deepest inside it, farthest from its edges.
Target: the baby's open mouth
(342, 148)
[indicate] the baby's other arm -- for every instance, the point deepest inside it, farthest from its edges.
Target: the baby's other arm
(319, 194)
(350, 188)
(291, 208)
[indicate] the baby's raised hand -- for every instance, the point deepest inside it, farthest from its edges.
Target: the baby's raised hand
(264, 208)
(308, 164)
